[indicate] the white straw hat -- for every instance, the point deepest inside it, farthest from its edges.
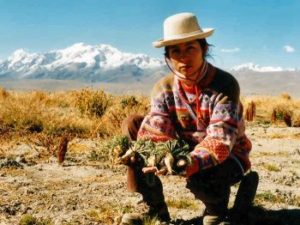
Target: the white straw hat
(181, 28)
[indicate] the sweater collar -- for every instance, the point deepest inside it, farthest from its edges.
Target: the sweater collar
(202, 83)
(199, 76)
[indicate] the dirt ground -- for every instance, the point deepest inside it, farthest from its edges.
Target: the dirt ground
(85, 191)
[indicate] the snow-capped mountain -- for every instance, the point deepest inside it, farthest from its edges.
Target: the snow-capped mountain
(84, 64)
(81, 62)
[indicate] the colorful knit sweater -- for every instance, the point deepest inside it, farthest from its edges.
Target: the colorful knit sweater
(212, 124)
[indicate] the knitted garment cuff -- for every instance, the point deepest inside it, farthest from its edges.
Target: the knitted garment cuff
(201, 159)
(193, 167)
(219, 150)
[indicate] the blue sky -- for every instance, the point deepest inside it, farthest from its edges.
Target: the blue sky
(265, 32)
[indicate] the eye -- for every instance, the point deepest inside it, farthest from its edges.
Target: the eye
(191, 49)
(175, 52)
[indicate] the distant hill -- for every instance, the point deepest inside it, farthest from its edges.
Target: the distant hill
(267, 80)
(82, 65)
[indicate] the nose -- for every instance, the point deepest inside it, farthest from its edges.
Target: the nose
(184, 56)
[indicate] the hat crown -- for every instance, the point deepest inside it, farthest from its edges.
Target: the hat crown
(182, 27)
(180, 24)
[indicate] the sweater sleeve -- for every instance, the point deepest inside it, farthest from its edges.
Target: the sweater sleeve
(157, 125)
(223, 131)
(221, 135)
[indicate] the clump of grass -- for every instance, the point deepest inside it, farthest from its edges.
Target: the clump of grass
(296, 118)
(278, 198)
(121, 108)
(150, 221)
(22, 113)
(282, 112)
(271, 167)
(268, 196)
(182, 203)
(106, 214)
(93, 103)
(31, 220)
(28, 220)
(128, 101)
(3, 93)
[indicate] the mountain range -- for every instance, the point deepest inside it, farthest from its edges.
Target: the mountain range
(88, 64)
(80, 62)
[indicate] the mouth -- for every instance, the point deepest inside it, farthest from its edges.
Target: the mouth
(185, 67)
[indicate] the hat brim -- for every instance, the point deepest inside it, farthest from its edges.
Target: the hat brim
(184, 38)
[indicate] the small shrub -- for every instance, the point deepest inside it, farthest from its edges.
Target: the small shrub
(31, 220)
(92, 103)
(28, 220)
(282, 113)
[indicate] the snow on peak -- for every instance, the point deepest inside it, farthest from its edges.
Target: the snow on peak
(19, 55)
(77, 61)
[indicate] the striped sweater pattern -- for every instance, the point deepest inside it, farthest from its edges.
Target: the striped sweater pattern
(208, 116)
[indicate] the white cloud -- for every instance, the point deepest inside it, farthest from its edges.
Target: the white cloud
(258, 68)
(289, 49)
(230, 50)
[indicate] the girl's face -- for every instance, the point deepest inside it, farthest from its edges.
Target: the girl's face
(187, 58)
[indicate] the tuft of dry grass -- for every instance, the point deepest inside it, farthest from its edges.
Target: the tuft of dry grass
(278, 110)
(122, 107)
(3, 93)
(278, 198)
(28, 219)
(271, 167)
(93, 103)
(108, 213)
(182, 203)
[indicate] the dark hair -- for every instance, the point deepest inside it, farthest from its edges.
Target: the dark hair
(203, 44)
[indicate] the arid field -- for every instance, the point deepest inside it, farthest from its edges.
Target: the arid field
(88, 189)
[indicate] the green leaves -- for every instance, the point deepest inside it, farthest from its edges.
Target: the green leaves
(153, 153)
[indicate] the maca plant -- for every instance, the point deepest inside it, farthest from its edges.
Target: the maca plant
(159, 157)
